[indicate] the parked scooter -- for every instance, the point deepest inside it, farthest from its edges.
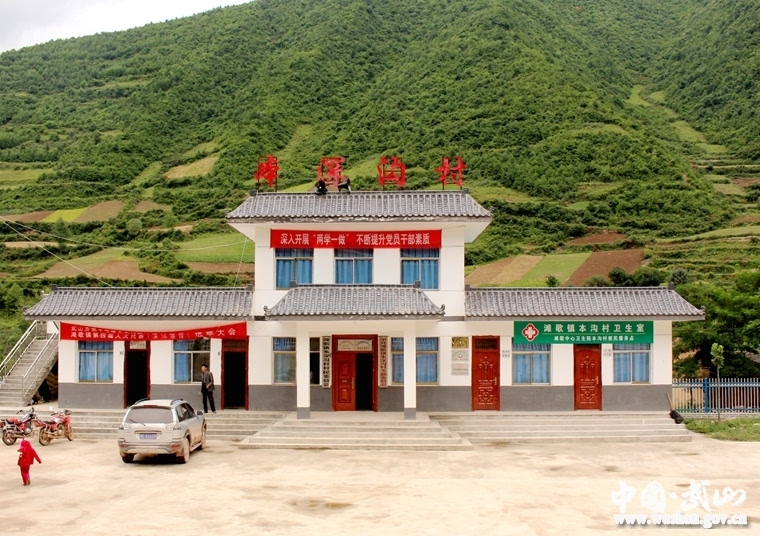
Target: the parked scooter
(59, 425)
(19, 427)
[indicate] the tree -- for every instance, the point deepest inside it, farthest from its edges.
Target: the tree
(717, 360)
(552, 281)
(134, 226)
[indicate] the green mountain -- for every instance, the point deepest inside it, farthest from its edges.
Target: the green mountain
(536, 95)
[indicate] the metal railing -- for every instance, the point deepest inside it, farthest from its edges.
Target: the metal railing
(735, 395)
(36, 331)
(42, 363)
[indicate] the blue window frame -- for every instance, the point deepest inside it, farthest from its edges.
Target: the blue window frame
(284, 349)
(531, 363)
(420, 265)
(427, 359)
(189, 355)
(95, 361)
(293, 265)
(630, 363)
(353, 266)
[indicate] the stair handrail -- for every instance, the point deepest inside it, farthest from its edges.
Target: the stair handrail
(36, 330)
(52, 340)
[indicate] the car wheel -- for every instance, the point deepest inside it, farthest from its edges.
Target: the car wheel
(183, 456)
(127, 458)
(203, 439)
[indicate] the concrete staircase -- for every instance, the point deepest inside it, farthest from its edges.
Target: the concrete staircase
(27, 366)
(228, 425)
(356, 431)
(570, 427)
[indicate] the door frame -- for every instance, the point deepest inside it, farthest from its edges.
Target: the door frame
(127, 348)
(245, 370)
(375, 369)
(597, 349)
(497, 386)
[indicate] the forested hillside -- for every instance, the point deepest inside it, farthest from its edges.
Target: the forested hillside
(629, 118)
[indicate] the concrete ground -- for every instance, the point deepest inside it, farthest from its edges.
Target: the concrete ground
(83, 488)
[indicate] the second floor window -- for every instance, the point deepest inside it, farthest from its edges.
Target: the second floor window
(353, 266)
(293, 265)
(420, 265)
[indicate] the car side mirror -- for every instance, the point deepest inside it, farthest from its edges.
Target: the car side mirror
(199, 413)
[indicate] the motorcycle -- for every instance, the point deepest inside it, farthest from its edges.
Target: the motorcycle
(59, 425)
(22, 427)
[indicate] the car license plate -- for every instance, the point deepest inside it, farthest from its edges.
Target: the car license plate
(148, 436)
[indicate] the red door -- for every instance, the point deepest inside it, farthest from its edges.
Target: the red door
(588, 376)
(344, 384)
(485, 373)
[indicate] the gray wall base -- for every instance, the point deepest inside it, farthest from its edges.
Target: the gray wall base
(635, 397)
(303, 413)
(537, 398)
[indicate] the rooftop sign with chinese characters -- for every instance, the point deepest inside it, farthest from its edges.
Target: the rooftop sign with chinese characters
(584, 332)
(281, 238)
(74, 332)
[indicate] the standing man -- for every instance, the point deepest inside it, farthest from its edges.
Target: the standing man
(207, 388)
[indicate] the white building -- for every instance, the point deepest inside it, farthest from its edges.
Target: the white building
(355, 294)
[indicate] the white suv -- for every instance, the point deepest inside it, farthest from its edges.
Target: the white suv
(153, 427)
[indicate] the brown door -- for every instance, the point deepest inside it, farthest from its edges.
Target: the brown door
(344, 384)
(136, 371)
(588, 376)
(234, 374)
(485, 373)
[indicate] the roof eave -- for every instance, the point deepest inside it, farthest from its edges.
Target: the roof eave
(351, 317)
(88, 318)
(672, 318)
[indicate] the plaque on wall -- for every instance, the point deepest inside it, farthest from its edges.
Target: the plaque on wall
(382, 362)
(460, 342)
(460, 369)
(326, 361)
(354, 345)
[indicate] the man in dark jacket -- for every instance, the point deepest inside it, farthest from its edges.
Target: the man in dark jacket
(207, 388)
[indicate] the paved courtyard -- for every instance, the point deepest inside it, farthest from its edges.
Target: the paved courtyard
(83, 488)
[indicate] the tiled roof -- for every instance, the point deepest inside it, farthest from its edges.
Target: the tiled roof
(354, 301)
(189, 302)
(590, 302)
(404, 205)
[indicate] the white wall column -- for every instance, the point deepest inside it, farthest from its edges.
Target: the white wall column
(303, 387)
(410, 373)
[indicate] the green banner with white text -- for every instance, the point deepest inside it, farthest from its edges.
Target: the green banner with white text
(584, 332)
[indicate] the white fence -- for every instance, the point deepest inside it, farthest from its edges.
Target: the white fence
(736, 395)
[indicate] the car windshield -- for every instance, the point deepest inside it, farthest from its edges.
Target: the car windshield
(150, 414)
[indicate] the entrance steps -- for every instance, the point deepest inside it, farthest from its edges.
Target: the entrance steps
(227, 425)
(357, 431)
(568, 427)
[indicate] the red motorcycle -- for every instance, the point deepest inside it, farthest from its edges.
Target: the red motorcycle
(19, 427)
(59, 425)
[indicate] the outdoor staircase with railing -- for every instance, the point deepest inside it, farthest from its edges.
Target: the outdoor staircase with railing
(27, 365)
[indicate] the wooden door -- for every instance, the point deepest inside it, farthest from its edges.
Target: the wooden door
(485, 373)
(344, 381)
(588, 376)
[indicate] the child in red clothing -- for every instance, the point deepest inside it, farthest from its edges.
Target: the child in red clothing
(26, 459)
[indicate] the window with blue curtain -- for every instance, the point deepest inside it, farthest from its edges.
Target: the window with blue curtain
(353, 266)
(531, 363)
(189, 356)
(284, 349)
(397, 357)
(426, 356)
(630, 363)
(420, 265)
(293, 265)
(95, 361)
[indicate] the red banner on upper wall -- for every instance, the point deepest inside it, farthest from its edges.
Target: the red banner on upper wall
(281, 238)
(74, 332)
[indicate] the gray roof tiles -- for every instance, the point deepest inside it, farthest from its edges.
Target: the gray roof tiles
(586, 302)
(405, 205)
(355, 301)
(132, 302)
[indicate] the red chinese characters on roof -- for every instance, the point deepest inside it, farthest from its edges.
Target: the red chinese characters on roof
(393, 171)
(330, 170)
(451, 174)
(267, 169)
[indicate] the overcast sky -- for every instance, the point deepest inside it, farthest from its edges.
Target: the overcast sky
(28, 22)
